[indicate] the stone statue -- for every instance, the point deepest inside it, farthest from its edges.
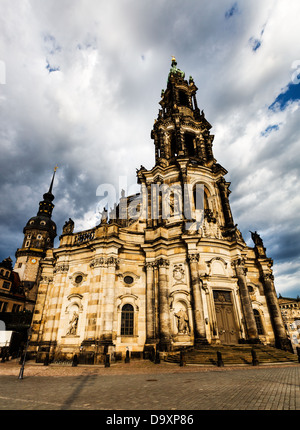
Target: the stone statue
(182, 323)
(68, 227)
(256, 239)
(104, 216)
(73, 323)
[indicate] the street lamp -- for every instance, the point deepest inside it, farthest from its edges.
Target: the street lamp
(24, 358)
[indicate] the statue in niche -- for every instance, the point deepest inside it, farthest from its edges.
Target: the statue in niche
(182, 322)
(73, 324)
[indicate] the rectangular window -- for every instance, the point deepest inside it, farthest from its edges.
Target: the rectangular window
(16, 307)
(4, 306)
(6, 285)
(127, 320)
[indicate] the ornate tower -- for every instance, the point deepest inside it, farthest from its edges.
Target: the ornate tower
(183, 143)
(189, 218)
(39, 235)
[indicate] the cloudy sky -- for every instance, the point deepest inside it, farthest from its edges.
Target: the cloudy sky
(80, 82)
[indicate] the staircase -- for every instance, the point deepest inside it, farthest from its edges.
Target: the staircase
(232, 354)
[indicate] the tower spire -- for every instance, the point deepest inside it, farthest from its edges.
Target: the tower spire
(51, 185)
(46, 206)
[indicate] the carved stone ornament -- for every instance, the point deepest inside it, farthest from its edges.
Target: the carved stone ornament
(61, 268)
(98, 262)
(112, 261)
(178, 272)
(268, 277)
(193, 258)
(104, 261)
(150, 265)
(46, 279)
(162, 262)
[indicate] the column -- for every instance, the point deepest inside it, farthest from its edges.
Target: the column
(56, 298)
(150, 303)
(246, 301)
(97, 294)
(109, 300)
(164, 309)
(281, 340)
(199, 330)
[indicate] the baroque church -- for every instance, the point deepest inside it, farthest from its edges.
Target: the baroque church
(164, 269)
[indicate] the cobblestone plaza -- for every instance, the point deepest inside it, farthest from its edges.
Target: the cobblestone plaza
(145, 386)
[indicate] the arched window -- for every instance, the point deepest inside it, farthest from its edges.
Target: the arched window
(258, 322)
(127, 320)
(200, 197)
(189, 143)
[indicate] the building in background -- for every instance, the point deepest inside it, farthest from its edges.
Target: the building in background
(290, 310)
(12, 296)
(39, 235)
(15, 318)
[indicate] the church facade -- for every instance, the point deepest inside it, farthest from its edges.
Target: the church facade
(167, 268)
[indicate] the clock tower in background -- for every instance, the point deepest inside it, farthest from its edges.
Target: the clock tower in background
(39, 235)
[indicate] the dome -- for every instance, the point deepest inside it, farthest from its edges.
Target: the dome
(41, 223)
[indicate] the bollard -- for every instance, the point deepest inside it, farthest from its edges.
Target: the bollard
(107, 360)
(157, 357)
(127, 358)
(153, 356)
(182, 359)
(254, 358)
(219, 359)
(75, 361)
(46, 361)
(24, 357)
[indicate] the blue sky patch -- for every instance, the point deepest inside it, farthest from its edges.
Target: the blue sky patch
(51, 44)
(52, 69)
(269, 129)
(232, 11)
(255, 43)
(292, 93)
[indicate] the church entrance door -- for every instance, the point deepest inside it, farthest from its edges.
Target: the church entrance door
(226, 323)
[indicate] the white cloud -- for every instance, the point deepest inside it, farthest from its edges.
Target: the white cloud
(83, 82)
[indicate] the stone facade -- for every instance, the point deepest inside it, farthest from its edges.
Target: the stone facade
(166, 268)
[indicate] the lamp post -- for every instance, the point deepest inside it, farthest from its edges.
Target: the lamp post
(24, 358)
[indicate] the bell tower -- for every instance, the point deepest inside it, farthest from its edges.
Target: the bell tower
(39, 235)
(181, 130)
(184, 156)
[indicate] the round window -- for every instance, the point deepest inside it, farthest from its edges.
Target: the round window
(78, 279)
(128, 280)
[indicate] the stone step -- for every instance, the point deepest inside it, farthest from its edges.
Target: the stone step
(232, 354)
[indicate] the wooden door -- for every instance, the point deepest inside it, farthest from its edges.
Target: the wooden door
(226, 323)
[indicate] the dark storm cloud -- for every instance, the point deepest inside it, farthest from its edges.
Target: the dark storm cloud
(83, 84)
